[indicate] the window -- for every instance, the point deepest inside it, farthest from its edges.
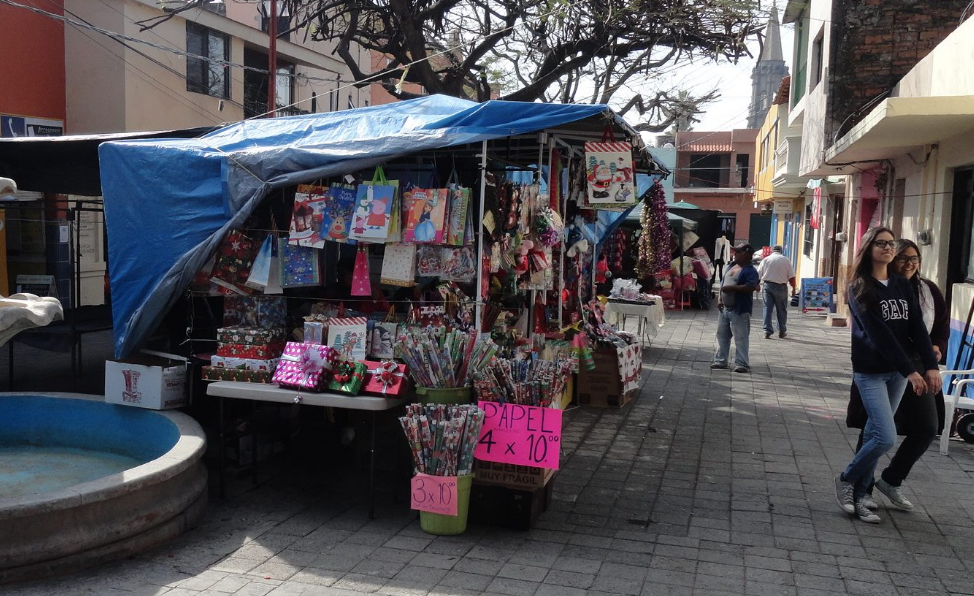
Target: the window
(961, 243)
(801, 59)
(743, 169)
(704, 171)
(817, 56)
(203, 74)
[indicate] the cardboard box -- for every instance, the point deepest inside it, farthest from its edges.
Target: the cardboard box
(603, 387)
(152, 380)
(510, 475)
(507, 507)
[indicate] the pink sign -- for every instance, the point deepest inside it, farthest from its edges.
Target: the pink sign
(434, 494)
(521, 435)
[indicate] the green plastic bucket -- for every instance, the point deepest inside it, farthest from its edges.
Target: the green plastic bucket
(450, 525)
(451, 395)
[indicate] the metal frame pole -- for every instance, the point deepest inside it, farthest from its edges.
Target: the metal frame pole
(479, 226)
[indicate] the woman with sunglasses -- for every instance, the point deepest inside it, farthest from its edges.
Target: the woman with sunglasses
(919, 417)
(887, 332)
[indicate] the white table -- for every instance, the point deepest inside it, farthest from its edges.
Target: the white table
(261, 392)
(649, 314)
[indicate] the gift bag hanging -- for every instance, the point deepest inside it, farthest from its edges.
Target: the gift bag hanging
(299, 265)
(336, 220)
(425, 214)
(395, 221)
(373, 208)
(399, 265)
(310, 202)
(266, 272)
(233, 263)
(609, 173)
(361, 284)
(457, 216)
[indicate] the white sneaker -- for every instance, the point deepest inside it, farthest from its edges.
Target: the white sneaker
(844, 494)
(869, 503)
(865, 514)
(894, 495)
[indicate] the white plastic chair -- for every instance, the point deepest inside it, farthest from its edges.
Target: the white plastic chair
(954, 399)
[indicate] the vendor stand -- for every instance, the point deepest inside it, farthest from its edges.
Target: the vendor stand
(265, 212)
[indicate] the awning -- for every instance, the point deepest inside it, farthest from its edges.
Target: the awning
(68, 164)
(899, 125)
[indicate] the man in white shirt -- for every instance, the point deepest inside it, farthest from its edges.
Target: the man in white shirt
(776, 274)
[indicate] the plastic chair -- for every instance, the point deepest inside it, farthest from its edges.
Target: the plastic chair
(953, 399)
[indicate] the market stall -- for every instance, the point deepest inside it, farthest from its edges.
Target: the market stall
(429, 250)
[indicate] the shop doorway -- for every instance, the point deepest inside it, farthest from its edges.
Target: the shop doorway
(959, 255)
(760, 232)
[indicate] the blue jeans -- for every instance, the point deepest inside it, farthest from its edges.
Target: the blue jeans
(881, 395)
(736, 325)
(775, 298)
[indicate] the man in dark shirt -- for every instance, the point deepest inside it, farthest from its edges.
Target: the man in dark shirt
(735, 304)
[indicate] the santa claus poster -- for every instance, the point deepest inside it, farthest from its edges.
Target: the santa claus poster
(610, 176)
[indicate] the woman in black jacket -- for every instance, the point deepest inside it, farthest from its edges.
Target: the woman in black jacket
(919, 418)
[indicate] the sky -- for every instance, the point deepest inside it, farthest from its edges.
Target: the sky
(733, 82)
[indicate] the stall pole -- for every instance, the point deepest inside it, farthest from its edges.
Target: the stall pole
(479, 226)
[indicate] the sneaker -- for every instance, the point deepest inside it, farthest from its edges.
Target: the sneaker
(767, 336)
(718, 365)
(742, 369)
(782, 335)
(894, 495)
(869, 503)
(844, 495)
(865, 514)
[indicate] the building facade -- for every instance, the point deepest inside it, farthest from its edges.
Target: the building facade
(715, 171)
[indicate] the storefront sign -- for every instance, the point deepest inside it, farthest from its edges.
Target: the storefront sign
(18, 126)
(782, 207)
(520, 435)
(434, 494)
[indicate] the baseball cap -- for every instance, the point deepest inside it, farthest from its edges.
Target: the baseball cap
(743, 247)
(776, 248)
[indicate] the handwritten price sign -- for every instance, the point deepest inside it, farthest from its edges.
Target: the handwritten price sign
(521, 435)
(434, 494)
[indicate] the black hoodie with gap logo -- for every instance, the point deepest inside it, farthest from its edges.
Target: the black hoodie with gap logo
(890, 335)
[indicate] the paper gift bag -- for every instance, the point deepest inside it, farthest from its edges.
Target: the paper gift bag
(425, 215)
(609, 174)
(399, 265)
(336, 222)
(385, 379)
(384, 340)
(233, 263)
(361, 284)
(429, 261)
(266, 312)
(458, 216)
(299, 265)
(347, 337)
(304, 366)
(306, 219)
(458, 264)
(265, 274)
(373, 208)
(348, 378)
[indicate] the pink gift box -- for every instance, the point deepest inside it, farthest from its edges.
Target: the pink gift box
(305, 366)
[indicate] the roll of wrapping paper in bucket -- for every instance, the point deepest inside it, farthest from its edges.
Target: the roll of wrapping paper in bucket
(442, 363)
(442, 439)
(450, 525)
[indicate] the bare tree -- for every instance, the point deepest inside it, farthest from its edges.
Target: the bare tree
(566, 50)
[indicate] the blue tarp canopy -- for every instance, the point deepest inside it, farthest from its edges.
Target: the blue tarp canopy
(169, 203)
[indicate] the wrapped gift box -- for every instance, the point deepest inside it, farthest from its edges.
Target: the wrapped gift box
(385, 379)
(250, 335)
(243, 363)
(263, 311)
(250, 351)
(349, 377)
(218, 373)
(305, 366)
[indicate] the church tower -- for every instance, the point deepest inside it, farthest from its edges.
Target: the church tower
(767, 74)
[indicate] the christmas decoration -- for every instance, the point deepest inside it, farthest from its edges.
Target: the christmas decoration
(654, 242)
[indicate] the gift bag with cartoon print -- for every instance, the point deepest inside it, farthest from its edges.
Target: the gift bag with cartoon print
(609, 173)
(373, 208)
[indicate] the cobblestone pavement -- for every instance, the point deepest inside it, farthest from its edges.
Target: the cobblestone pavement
(711, 483)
